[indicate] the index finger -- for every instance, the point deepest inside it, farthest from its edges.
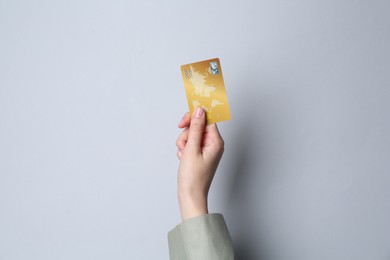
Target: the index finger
(185, 121)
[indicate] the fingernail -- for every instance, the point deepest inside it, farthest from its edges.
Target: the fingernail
(199, 112)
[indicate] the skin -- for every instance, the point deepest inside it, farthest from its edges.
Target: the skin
(200, 148)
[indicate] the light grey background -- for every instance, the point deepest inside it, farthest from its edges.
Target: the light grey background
(91, 93)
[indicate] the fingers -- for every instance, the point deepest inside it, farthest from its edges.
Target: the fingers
(212, 129)
(185, 121)
(178, 155)
(182, 139)
(196, 131)
(215, 137)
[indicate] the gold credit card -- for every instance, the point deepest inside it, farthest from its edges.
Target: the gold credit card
(205, 88)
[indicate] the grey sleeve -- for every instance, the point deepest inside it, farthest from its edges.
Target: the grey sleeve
(204, 237)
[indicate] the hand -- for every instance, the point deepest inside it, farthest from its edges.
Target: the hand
(200, 149)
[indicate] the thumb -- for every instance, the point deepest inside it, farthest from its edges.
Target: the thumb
(197, 126)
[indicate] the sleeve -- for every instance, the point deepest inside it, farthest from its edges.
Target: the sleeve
(204, 237)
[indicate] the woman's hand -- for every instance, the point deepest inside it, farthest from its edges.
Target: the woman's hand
(200, 149)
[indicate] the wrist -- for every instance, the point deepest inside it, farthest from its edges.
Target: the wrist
(192, 206)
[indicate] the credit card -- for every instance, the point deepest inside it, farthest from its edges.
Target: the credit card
(204, 85)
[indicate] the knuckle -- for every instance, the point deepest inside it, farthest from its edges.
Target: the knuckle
(220, 143)
(195, 127)
(197, 123)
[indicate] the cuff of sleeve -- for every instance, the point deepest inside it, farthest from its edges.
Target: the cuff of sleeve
(202, 237)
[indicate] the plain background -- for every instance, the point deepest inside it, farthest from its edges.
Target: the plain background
(91, 94)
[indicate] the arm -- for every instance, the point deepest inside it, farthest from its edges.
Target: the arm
(200, 235)
(200, 149)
